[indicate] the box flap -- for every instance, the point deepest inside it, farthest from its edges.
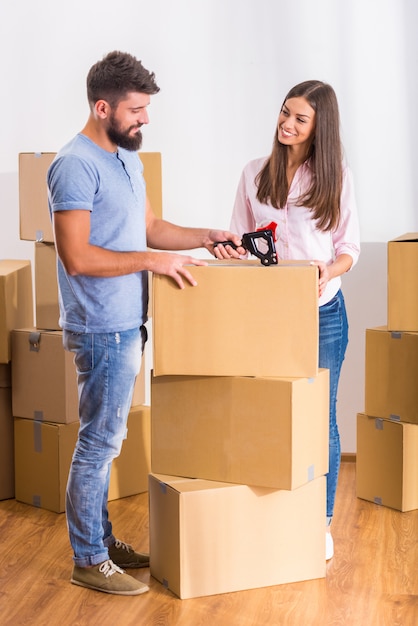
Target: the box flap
(407, 237)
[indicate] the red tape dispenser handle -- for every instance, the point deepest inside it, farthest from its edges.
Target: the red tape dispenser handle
(272, 226)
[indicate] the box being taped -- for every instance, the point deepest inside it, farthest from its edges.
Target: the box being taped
(242, 319)
(387, 462)
(209, 537)
(270, 432)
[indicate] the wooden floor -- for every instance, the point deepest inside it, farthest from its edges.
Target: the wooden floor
(371, 581)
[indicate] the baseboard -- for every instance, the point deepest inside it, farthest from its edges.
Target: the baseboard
(348, 457)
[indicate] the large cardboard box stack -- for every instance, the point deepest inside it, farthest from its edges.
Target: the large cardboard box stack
(16, 307)
(387, 431)
(45, 410)
(239, 414)
(44, 393)
(44, 402)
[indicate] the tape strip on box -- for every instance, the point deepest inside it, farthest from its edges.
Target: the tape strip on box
(395, 418)
(37, 436)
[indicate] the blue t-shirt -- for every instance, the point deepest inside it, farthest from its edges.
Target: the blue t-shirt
(111, 186)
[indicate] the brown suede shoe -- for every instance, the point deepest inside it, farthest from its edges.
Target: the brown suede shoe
(109, 578)
(125, 556)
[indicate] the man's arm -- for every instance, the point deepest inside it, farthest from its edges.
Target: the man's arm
(164, 235)
(72, 234)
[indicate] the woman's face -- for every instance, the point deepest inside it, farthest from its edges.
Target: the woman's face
(296, 125)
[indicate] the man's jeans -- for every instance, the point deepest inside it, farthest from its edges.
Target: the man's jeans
(333, 340)
(107, 365)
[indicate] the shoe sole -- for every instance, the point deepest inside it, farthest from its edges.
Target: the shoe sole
(134, 592)
(131, 565)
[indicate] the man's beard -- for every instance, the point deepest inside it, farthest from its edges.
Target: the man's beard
(124, 139)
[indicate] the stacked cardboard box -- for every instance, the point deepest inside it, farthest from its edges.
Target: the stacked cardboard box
(35, 224)
(44, 393)
(16, 302)
(7, 486)
(43, 455)
(387, 432)
(239, 414)
(16, 307)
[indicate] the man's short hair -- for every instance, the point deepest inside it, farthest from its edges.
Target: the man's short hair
(117, 74)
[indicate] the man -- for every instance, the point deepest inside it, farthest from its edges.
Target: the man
(104, 227)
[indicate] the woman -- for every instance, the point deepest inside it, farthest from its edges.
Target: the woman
(305, 187)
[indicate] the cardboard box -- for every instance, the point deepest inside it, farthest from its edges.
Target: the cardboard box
(43, 453)
(153, 179)
(35, 221)
(16, 301)
(387, 462)
(242, 319)
(403, 283)
(7, 478)
(138, 397)
(46, 287)
(35, 225)
(209, 537)
(269, 432)
(130, 470)
(44, 377)
(391, 389)
(5, 375)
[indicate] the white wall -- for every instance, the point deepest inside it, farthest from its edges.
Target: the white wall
(224, 67)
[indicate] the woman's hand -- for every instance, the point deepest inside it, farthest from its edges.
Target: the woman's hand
(326, 272)
(324, 276)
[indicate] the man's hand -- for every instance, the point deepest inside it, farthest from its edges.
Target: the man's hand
(173, 265)
(224, 251)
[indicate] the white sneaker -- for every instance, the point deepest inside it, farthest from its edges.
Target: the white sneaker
(329, 546)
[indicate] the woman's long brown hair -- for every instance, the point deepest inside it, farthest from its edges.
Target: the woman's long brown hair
(325, 160)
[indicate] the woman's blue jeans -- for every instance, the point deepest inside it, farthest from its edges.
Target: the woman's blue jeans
(107, 365)
(333, 340)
